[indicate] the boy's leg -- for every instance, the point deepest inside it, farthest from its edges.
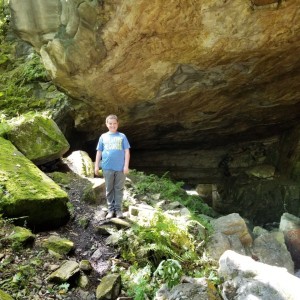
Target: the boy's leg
(119, 188)
(109, 187)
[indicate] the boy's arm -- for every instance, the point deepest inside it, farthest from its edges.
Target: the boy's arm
(126, 163)
(97, 161)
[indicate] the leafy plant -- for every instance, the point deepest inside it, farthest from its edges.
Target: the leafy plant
(169, 272)
(4, 17)
(63, 288)
(138, 283)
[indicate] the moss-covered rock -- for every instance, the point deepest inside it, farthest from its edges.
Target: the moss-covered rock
(60, 178)
(21, 236)
(109, 288)
(88, 194)
(58, 244)
(85, 265)
(37, 137)
(27, 192)
(67, 271)
(4, 127)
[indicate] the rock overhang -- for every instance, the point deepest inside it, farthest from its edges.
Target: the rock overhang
(179, 75)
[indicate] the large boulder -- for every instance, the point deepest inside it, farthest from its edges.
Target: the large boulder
(233, 224)
(27, 194)
(245, 278)
(270, 248)
(290, 226)
(37, 137)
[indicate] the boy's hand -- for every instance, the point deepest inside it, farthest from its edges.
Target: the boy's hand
(97, 171)
(125, 170)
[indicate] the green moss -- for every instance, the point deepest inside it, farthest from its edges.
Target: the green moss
(4, 296)
(21, 178)
(21, 76)
(88, 194)
(21, 236)
(61, 178)
(37, 137)
(58, 244)
(4, 127)
(26, 191)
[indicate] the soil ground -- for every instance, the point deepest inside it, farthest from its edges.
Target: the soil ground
(80, 230)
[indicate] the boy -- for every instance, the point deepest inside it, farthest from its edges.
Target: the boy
(113, 148)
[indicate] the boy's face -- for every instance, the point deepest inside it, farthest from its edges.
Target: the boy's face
(112, 125)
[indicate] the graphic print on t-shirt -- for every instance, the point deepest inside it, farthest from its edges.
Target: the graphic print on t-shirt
(114, 143)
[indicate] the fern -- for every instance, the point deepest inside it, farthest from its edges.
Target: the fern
(160, 252)
(162, 239)
(152, 184)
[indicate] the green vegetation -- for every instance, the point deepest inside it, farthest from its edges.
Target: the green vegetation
(168, 189)
(169, 272)
(155, 252)
(166, 247)
(161, 253)
(23, 269)
(161, 239)
(23, 77)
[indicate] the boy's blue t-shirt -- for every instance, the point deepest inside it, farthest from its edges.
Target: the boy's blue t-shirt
(113, 146)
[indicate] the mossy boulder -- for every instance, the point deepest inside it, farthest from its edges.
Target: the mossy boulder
(58, 244)
(27, 193)
(37, 137)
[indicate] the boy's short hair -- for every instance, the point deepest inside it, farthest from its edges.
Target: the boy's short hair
(111, 117)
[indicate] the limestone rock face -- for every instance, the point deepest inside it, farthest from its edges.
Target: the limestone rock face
(183, 76)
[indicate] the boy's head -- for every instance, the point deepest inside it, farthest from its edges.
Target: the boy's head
(112, 123)
(111, 117)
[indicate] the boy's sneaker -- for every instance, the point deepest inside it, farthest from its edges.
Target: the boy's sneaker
(119, 215)
(110, 215)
